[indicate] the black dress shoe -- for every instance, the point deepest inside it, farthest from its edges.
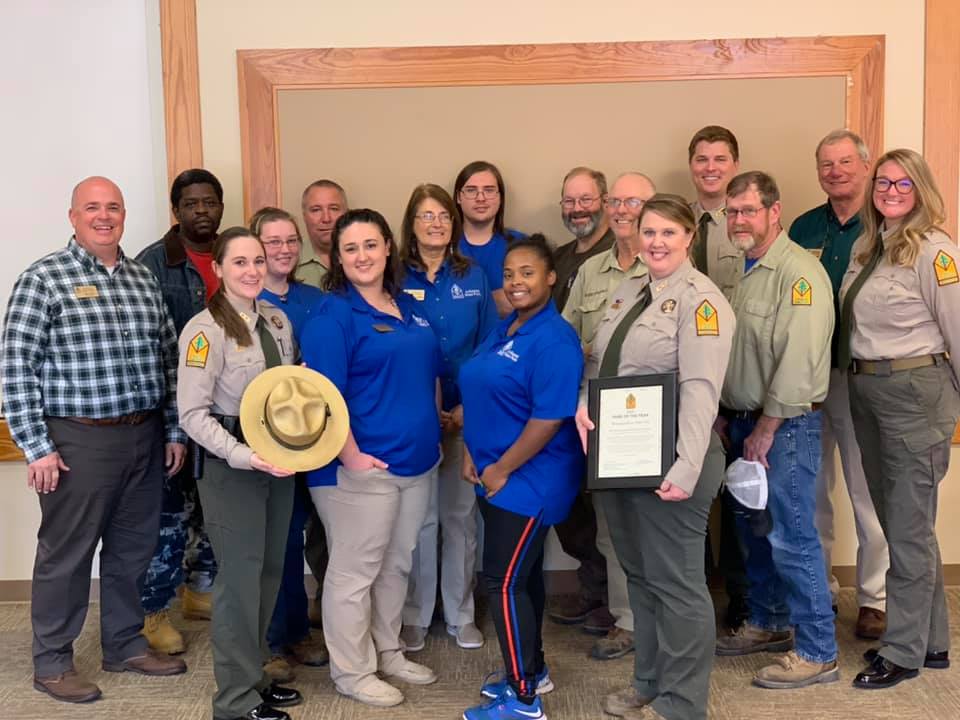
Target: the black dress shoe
(881, 674)
(933, 660)
(279, 696)
(264, 712)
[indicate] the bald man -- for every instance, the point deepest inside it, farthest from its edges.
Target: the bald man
(89, 365)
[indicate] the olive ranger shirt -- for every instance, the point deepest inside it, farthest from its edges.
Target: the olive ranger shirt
(687, 328)
(780, 362)
(724, 259)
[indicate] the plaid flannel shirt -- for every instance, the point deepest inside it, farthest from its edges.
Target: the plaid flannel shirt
(80, 341)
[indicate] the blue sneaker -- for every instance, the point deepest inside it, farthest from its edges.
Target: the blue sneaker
(507, 707)
(495, 684)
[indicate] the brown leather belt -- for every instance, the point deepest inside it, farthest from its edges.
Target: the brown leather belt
(137, 418)
(886, 367)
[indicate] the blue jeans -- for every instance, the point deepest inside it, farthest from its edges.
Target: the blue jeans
(291, 623)
(788, 583)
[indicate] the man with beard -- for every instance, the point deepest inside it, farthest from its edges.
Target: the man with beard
(769, 413)
(322, 203)
(829, 231)
(581, 202)
(182, 262)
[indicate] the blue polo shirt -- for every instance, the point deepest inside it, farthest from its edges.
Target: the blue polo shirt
(387, 370)
(300, 301)
(535, 373)
(461, 313)
(490, 256)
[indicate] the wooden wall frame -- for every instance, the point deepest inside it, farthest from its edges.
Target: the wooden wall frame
(263, 73)
(181, 86)
(941, 102)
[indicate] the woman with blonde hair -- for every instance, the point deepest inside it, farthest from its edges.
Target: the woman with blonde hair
(900, 340)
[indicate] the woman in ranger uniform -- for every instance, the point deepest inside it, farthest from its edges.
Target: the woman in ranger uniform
(247, 501)
(675, 320)
(900, 327)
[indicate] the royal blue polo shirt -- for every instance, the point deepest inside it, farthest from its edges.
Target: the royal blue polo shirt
(387, 370)
(298, 304)
(460, 311)
(490, 256)
(535, 373)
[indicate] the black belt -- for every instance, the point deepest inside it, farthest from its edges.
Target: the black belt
(231, 423)
(731, 414)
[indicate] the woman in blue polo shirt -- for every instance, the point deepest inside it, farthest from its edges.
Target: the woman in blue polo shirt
(519, 398)
(481, 204)
(370, 340)
(452, 293)
(289, 631)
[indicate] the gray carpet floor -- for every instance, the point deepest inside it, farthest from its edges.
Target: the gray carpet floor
(581, 682)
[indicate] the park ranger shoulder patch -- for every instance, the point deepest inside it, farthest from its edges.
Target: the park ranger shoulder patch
(197, 351)
(707, 321)
(801, 293)
(946, 269)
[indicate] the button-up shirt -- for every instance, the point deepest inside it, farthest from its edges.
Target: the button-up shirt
(82, 340)
(724, 259)
(310, 270)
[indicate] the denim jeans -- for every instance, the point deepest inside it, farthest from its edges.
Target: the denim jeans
(788, 583)
(290, 623)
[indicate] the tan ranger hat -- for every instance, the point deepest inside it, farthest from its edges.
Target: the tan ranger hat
(294, 417)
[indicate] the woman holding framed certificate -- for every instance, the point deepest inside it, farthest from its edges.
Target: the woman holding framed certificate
(675, 320)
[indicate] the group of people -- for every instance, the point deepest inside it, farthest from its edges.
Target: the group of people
(463, 351)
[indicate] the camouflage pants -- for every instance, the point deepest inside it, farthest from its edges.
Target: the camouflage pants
(183, 553)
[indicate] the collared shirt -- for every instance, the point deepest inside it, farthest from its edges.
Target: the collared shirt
(215, 370)
(298, 304)
(780, 361)
(490, 255)
(82, 341)
(568, 263)
(597, 279)
(461, 313)
(903, 312)
(180, 280)
(687, 328)
(387, 370)
(310, 270)
(511, 379)
(724, 259)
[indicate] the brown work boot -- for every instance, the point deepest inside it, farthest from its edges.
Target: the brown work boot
(616, 643)
(751, 639)
(643, 713)
(871, 623)
(310, 651)
(150, 663)
(161, 634)
(67, 687)
(792, 671)
(196, 605)
(279, 670)
(599, 621)
(573, 609)
(620, 702)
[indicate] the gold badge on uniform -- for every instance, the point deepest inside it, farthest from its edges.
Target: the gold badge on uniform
(801, 293)
(668, 306)
(86, 292)
(277, 322)
(707, 321)
(946, 269)
(197, 351)
(416, 293)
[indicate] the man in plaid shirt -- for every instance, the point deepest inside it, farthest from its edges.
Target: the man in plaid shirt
(89, 380)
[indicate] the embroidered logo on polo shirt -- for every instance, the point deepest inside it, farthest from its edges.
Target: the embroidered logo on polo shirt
(456, 292)
(420, 321)
(197, 351)
(507, 352)
(801, 293)
(707, 321)
(946, 269)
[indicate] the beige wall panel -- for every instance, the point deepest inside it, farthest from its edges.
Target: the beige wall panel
(380, 143)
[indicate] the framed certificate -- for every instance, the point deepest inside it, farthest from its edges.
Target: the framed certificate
(635, 439)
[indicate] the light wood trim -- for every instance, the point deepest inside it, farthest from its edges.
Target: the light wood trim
(261, 73)
(941, 103)
(181, 86)
(9, 452)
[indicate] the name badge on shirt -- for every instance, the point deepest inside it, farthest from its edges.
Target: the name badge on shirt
(416, 293)
(86, 292)
(382, 328)
(816, 252)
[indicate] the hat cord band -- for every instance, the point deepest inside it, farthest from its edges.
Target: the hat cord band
(283, 443)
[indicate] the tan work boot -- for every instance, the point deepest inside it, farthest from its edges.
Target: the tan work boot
(792, 671)
(195, 605)
(67, 687)
(310, 651)
(643, 713)
(161, 635)
(279, 670)
(620, 702)
(751, 639)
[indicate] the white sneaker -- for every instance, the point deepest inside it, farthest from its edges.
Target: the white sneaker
(410, 672)
(413, 638)
(376, 692)
(468, 636)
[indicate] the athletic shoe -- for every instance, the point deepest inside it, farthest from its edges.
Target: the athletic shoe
(495, 684)
(507, 707)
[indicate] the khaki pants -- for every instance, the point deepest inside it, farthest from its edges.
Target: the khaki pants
(372, 519)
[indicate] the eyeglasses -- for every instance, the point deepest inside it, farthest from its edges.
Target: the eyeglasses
(584, 200)
(904, 186)
(277, 243)
(634, 203)
(472, 192)
(428, 217)
(747, 212)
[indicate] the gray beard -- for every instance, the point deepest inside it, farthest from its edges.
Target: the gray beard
(580, 232)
